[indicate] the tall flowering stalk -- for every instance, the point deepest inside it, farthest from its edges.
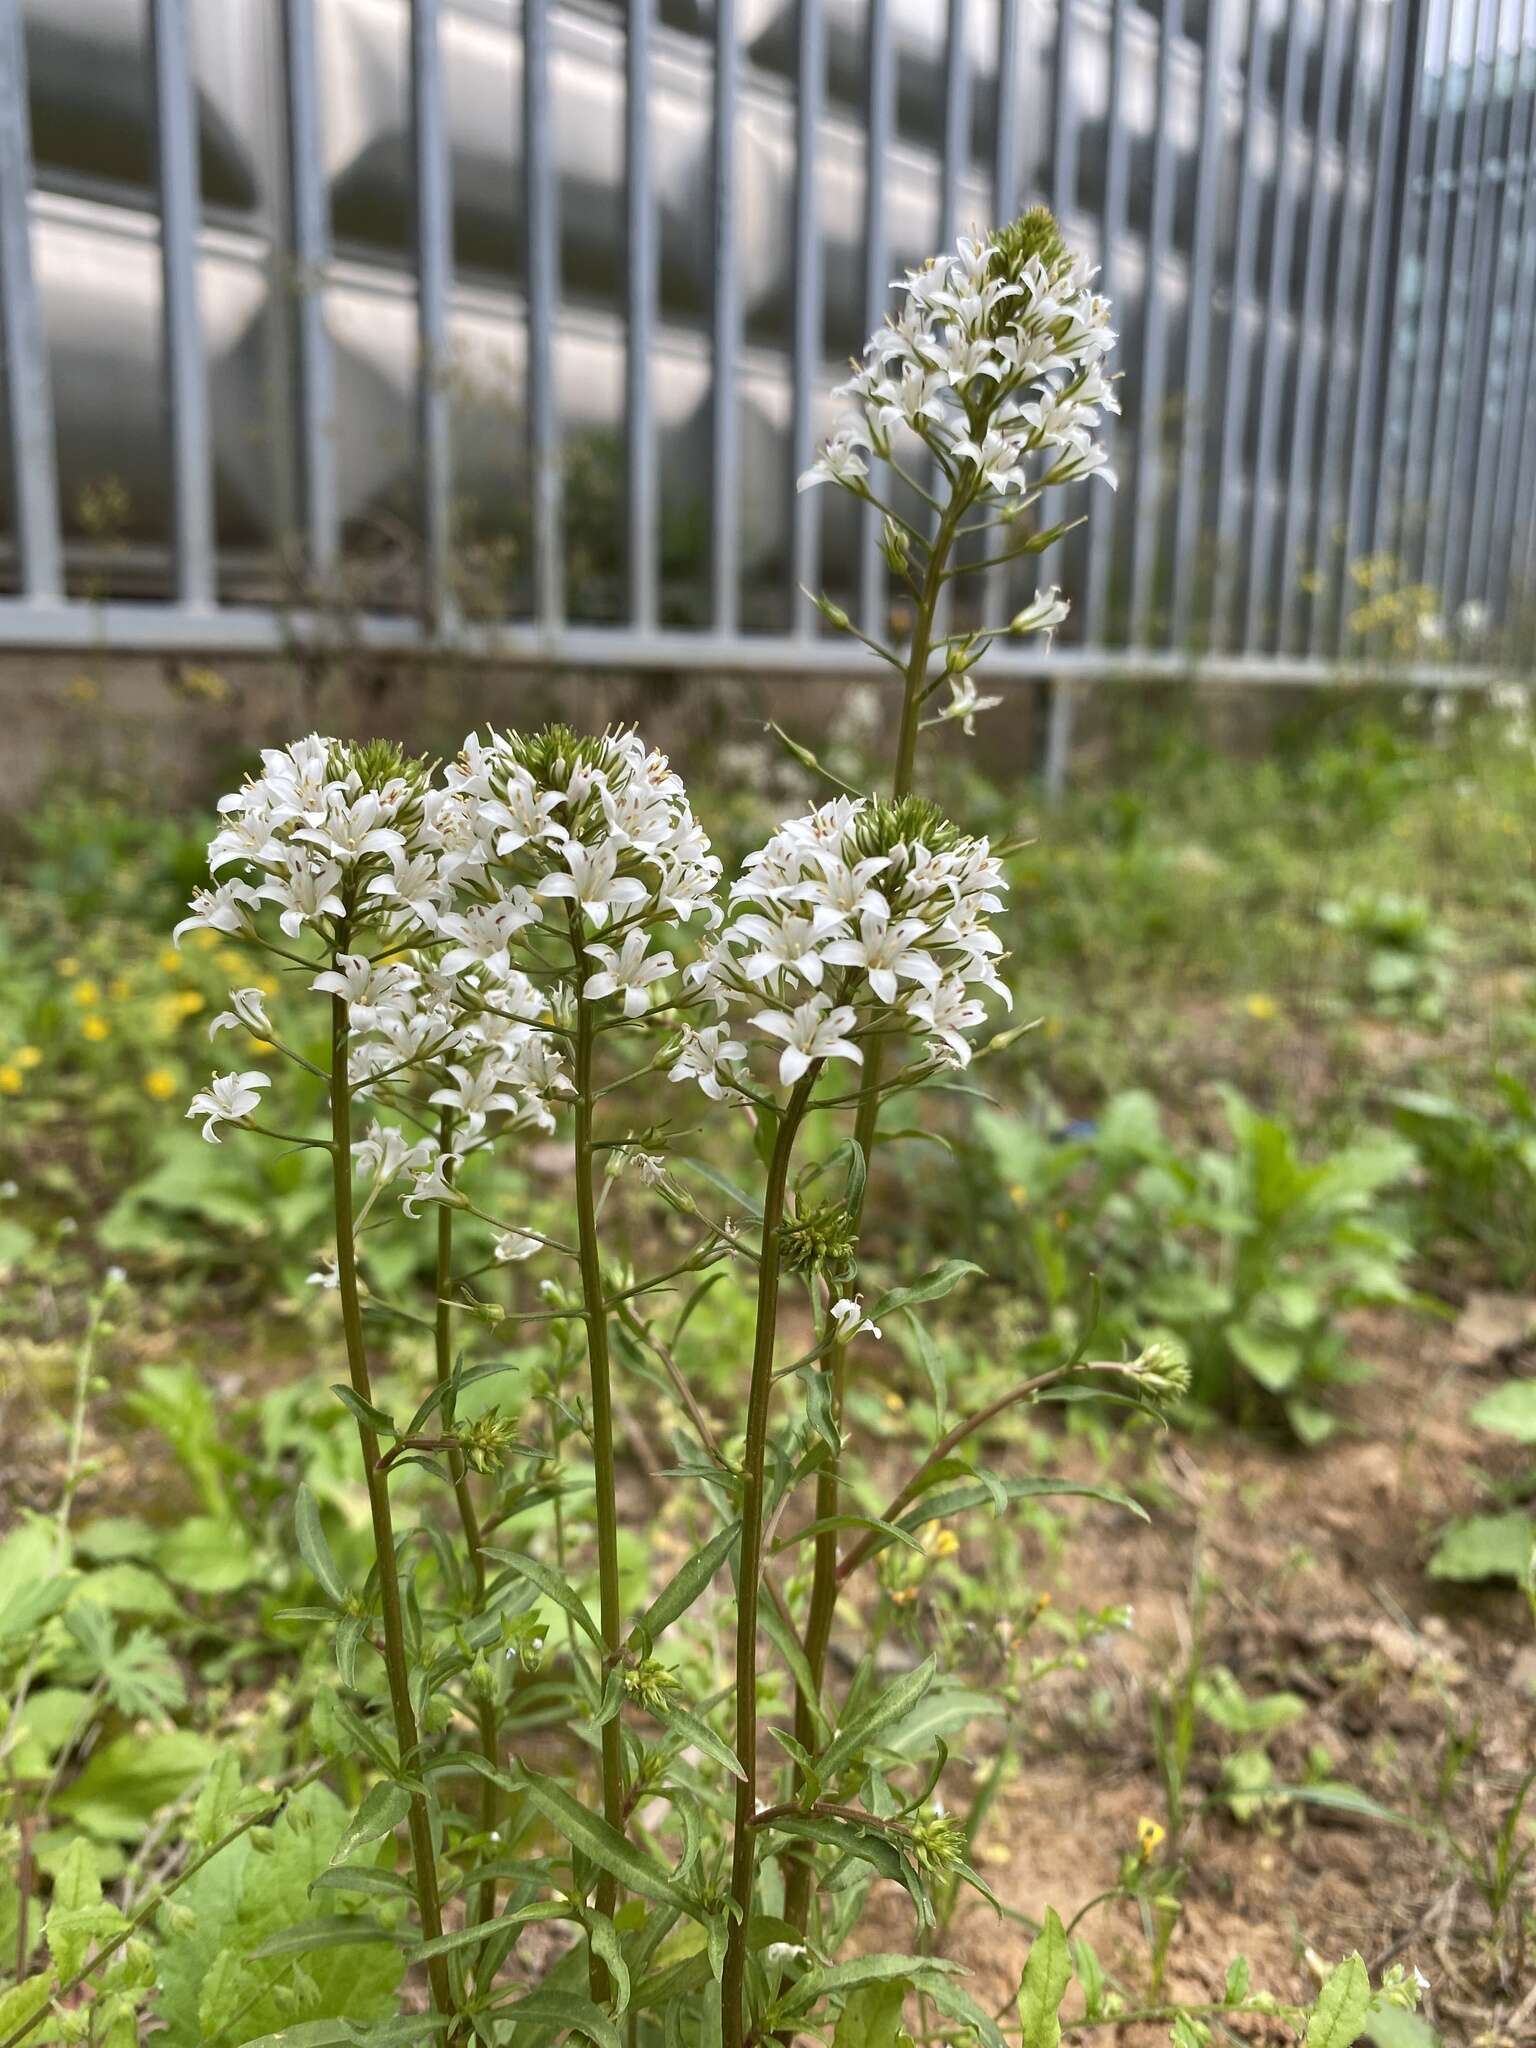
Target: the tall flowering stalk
(992, 371)
(854, 924)
(586, 850)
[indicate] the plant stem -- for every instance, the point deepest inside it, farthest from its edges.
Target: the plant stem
(610, 1618)
(469, 1518)
(824, 1573)
(743, 1839)
(423, 1858)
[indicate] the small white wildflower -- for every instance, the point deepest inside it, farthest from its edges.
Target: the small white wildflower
(848, 1314)
(228, 1098)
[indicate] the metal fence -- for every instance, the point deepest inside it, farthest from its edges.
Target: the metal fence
(508, 324)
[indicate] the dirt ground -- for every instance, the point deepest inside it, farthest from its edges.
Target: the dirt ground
(1318, 1562)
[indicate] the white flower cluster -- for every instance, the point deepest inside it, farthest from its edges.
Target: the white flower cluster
(356, 849)
(857, 919)
(602, 827)
(995, 362)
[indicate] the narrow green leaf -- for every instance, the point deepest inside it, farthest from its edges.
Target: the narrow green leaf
(897, 1700)
(932, 1287)
(829, 1522)
(384, 1807)
(565, 2009)
(699, 1732)
(552, 1586)
(611, 1851)
(365, 1412)
(685, 1586)
(313, 1547)
(349, 1930)
(807, 759)
(836, 1978)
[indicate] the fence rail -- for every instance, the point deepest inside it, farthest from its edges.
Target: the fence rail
(508, 326)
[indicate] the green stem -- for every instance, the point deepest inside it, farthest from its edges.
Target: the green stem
(824, 1574)
(469, 1518)
(610, 1616)
(749, 1579)
(423, 1857)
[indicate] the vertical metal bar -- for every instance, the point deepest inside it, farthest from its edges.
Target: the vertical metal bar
(1005, 204)
(1302, 488)
(640, 505)
(808, 345)
(1482, 294)
(1518, 512)
(1271, 361)
(724, 568)
(1491, 544)
(957, 122)
(880, 121)
(185, 355)
(1061, 703)
(28, 388)
(1343, 336)
(1424, 390)
(1197, 340)
(1366, 496)
(1234, 412)
(1456, 308)
(434, 255)
(541, 192)
(1146, 520)
(1101, 504)
(311, 231)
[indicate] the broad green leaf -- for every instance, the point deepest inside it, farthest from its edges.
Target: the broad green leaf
(893, 1703)
(590, 1834)
(132, 1777)
(1389, 2026)
(956, 2003)
(209, 1554)
(222, 1800)
(1343, 2005)
(1047, 1973)
(243, 1898)
(680, 1591)
(872, 2016)
(384, 1806)
(22, 2003)
(552, 1586)
(314, 1549)
(1273, 1358)
(1510, 1411)
(1485, 1547)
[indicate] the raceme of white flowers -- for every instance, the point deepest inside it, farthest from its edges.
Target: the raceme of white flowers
(858, 919)
(458, 920)
(995, 363)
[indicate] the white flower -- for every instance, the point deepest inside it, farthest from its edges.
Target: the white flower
(433, 1186)
(814, 1030)
(485, 932)
(327, 1274)
(788, 943)
(224, 909)
(1043, 615)
(249, 1009)
(1420, 1981)
(372, 991)
(948, 1012)
(883, 951)
(700, 1057)
(304, 892)
(515, 1245)
(964, 703)
(592, 881)
(477, 1093)
(839, 461)
(382, 1154)
(627, 968)
(228, 1098)
(851, 1320)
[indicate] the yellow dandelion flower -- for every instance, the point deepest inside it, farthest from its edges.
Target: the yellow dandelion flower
(169, 961)
(187, 1003)
(12, 1080)
(160, 1084)
(1148, 1836)
(85, 993)
(27, 1057)
(1263, 1009)
(944, 1544)
(96, 1029)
